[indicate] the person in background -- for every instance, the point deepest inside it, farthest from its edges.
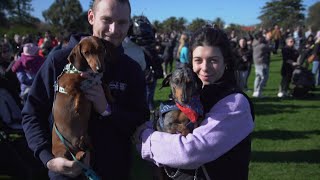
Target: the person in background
(316, 59)
(143, 35)
(261, 59)
(133, 50)
(244, 62)
(46, 44)
(62, 40)
(26, 68)
(297, 35)
(183, 49)
(276, 37)
(16, 45)
(219, 148)
(110, 135)
(289, 62)
(308, 32)
(169, 44)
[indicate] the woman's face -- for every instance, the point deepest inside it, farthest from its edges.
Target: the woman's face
(208, 63)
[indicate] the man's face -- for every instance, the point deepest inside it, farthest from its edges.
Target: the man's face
(110, 21)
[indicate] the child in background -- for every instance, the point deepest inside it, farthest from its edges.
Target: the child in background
(27, 67)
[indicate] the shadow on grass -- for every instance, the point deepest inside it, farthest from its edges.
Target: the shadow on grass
(308, 156)
(274, 105)
(272, 109)
(283, 134)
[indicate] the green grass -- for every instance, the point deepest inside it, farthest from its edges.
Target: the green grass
(286, 139)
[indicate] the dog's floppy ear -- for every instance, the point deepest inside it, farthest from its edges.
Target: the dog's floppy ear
(110, 49)
(198, 81)
(76, 59)
(166, 81)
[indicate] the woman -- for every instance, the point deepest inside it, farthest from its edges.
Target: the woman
(183, 50)
(243, 63)
(220, 147)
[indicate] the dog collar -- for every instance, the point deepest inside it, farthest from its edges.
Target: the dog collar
(91, 80)
(193, 110)
(69, 68)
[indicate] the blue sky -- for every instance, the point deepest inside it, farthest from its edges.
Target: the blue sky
(231, 11)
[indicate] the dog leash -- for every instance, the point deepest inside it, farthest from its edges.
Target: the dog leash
(89, 173)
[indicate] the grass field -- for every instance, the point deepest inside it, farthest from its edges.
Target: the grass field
(286, 139)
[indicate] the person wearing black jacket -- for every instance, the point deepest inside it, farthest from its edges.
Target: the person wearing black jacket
(289, 56)
(243, 62)
(220, 147)
(110, 135)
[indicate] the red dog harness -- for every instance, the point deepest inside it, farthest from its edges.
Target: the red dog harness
(193, 110)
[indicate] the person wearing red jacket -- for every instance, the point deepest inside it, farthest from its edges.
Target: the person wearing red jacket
(46, 44)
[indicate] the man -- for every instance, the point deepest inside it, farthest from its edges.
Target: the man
(110, 136)
(289, 62)
(261, 59)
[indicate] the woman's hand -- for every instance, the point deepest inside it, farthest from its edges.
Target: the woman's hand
(63, 166)
(136, 138)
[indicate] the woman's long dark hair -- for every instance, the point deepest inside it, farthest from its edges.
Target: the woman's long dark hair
(208, 36)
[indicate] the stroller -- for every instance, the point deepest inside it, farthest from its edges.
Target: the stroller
(302, 79)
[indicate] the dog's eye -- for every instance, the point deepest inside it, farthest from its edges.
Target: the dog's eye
(85, 52)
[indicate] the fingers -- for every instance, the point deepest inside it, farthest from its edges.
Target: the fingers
(94, 91)
(64, 166)
(96, 95)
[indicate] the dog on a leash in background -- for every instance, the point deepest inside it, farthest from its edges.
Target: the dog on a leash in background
(71, 109)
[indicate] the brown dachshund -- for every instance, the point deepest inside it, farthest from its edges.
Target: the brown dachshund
(71, 110)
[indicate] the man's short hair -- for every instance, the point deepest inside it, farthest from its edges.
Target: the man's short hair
(96, 2)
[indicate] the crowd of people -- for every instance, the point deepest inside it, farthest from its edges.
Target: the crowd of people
(221, 59)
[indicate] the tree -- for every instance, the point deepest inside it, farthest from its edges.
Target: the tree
(286, 13)
(182, 22)
(313, 19)
(65, 15)
(171, 24)
(158, 26)
(17, 13)
(218, 21)
(196, 24)
(5, 5)
(23, 8)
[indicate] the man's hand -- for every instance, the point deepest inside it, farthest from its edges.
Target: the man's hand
(96, 95)
(63, 166)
